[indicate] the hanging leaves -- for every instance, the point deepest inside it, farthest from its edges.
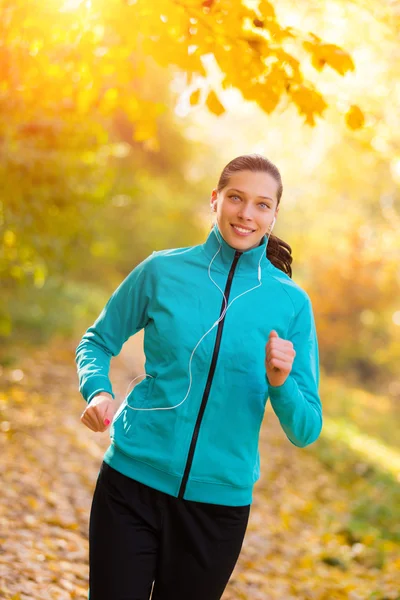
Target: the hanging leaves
(68, 70)
(101, 52)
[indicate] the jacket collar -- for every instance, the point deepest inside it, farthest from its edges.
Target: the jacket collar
(248, 261)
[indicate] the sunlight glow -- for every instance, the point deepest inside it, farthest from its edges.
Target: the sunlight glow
(375, 451)
(395, 169)
(71, 5)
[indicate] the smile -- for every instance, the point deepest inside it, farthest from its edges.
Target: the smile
(241, 230)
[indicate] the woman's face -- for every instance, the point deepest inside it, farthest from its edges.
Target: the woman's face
(248, 201)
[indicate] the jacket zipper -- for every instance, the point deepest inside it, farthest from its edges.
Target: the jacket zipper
(209, 379)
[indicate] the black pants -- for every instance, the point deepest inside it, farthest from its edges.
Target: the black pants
(138, 535)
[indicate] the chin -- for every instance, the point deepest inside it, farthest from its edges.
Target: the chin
(242, 245)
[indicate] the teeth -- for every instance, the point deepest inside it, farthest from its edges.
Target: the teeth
(243, 230)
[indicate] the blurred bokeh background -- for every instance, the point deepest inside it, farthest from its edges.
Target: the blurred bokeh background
(116, 119)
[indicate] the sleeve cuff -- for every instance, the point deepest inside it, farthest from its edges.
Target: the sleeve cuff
(94, 386)
(284, 391)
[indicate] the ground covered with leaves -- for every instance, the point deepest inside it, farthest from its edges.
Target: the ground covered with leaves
(298, 544)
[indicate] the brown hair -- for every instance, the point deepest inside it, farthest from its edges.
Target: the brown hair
(278, 251)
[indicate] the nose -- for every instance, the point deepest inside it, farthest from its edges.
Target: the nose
(245, 211)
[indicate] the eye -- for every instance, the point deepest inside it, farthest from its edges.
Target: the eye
(267, 205)
(234, 196)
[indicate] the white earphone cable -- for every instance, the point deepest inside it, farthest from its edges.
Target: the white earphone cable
(125, 401)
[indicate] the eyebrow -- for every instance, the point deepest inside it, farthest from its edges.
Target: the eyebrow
(244, 193)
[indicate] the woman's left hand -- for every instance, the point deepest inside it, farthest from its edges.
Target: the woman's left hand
(279, 357)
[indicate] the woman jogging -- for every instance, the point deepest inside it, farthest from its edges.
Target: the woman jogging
(225, 329)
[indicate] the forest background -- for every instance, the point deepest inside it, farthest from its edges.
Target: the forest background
(116, 119)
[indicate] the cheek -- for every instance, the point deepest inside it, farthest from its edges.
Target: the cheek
(265, 221)
(229, 209)
(225, 212)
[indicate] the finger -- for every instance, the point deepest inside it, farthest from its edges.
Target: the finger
(279, 343)
(287, 349)
(98, 419)
(88, 423)
(87, 419)
(109, 414)
(284, 355)
(280, 364)
(282, 359)
(91, 416)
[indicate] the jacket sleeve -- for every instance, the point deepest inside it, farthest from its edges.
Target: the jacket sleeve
(124, 314)
(296, 402)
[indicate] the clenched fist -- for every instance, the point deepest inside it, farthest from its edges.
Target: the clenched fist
(100, 412)
(279, 356)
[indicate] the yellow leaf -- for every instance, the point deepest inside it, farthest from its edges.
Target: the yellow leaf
(194, 98)
(309, 102)
(32, 501)
(266, 96)
(355, 117)
(266, 9)
(214, 105)
(329, 54)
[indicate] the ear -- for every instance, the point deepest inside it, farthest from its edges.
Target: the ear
(214, 196)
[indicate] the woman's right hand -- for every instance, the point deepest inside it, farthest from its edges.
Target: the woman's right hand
(100, 412)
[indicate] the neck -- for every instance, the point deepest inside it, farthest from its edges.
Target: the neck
(223, 254)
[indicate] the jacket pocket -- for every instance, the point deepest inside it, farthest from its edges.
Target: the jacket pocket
(151, 434)
(139, 396)
(125, 415)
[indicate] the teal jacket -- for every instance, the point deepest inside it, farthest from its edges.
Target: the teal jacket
(191, 427)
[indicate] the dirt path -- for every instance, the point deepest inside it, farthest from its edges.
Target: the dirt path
(49, 462)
